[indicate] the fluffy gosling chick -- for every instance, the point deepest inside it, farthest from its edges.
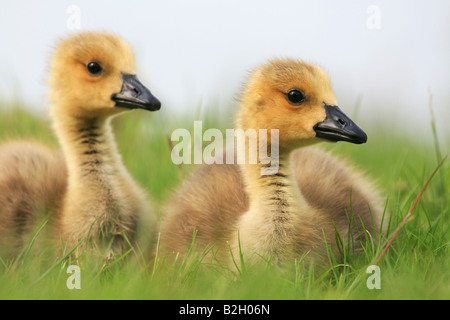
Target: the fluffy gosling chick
(295, 211)
(89, 193)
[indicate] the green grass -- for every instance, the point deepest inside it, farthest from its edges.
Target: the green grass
(416, 266)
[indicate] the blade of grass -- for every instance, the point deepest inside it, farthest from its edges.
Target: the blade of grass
(241, 256)
(107, 266)
(179, 166)
(23, 255)
(433, 128)
(57, 263)
(331, 258)
(233, 259)
(156, 259)
(3, 263)
(436, 141)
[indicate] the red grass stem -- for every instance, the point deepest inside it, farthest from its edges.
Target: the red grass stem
(416, 201)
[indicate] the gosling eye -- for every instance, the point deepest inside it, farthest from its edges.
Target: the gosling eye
(295, 97)
(94, 68)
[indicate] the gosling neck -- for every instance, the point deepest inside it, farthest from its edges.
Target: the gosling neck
(276, 194)
(89, 148)
(272, 189)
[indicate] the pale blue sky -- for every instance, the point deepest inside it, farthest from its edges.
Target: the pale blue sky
(201, 50)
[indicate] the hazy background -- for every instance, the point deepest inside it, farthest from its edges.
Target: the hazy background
(199, 52)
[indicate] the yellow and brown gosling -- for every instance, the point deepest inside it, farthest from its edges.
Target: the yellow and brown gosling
(293, 212)
(86, 191)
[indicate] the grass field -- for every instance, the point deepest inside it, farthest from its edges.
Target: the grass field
(416, 266)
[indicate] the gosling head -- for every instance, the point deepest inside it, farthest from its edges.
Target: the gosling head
(296, 98)
(94, 75)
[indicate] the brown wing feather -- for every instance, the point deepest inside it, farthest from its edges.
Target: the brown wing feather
(32, 184)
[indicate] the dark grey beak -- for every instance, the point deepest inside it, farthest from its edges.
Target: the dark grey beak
(135, 95)
(338, 127)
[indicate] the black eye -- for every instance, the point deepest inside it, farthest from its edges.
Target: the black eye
(296, 96)
(94, 68)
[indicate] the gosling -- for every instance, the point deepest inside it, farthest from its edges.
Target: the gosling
(294, 212)
(87, 194)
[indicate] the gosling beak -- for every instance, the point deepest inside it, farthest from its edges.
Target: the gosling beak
(134, 95)
(338, 127)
